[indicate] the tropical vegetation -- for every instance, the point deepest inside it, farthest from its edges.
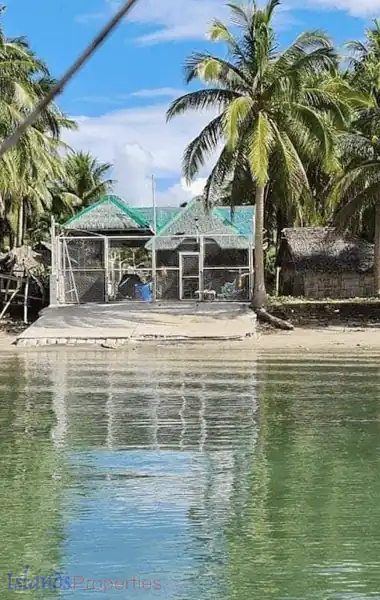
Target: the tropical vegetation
(295, 134)
(40, 176)
(295, 130)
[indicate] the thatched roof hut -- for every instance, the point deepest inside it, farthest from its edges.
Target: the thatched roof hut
(324, 249)
(320, 262)
(22, 259)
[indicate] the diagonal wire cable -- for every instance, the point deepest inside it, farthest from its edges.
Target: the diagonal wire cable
(59, 86)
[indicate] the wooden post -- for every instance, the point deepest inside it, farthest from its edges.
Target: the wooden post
(15, 291)
(6, 288)
(26, 294)
(278, 269)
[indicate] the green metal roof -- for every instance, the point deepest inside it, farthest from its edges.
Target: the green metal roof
(240, 216)
(109, 214)
(218, 223)
(163, 215)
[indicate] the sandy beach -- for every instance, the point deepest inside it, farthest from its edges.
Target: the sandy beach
(329, 339)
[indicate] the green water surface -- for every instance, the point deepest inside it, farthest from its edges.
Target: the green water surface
(202, 477)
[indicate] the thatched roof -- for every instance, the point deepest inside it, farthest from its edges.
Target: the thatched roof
(164, 214)
(229, 230)
(110, 213)
(20, 259)
(324, 249)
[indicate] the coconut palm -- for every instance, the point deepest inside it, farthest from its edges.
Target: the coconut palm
(27, 170)
(357, 191)
(85, 180)
(364, 59)
(274, 109)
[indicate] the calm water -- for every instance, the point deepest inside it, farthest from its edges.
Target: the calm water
(190, 479)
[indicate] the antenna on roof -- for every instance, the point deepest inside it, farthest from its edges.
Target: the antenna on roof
(59, 86)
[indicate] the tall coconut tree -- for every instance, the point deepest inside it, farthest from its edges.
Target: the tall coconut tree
(272, 109)
(85, 180)
(29, 168)
(356, 192)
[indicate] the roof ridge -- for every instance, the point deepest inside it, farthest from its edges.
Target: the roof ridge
(116, 201)
(86, 210)
(344, 235)
(157, 207)
(223, 219)
(177, 216)
(226, 222)
(125, 207)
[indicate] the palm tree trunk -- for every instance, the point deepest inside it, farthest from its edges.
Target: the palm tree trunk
(20, 224)
(259, 299)
(377, 249)
(259, 292)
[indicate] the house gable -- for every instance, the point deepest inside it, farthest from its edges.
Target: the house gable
(109, 214)
(163, 215)
(194, 220)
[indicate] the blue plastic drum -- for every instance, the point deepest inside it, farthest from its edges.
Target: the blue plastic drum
(144, 292)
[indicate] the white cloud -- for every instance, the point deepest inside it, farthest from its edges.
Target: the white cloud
(177, 20)
(93, 99)
(139, 143)
(132, 167)
(159, 93)
(196, 187)
(165, 92)
(182, 19)
(186, 19)
(181, 192)
(365, 8)
(190, 19)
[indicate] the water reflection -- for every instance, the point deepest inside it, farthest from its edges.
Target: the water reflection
(207, 476)
(310, 526)
(159, 455)
(31, 525)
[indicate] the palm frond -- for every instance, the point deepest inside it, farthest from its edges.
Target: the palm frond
(212, 69)
(200, 149)
(201, 100)
(261, 142)
(234, 116)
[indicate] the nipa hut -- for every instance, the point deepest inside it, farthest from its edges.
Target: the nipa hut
(22, 260)
(319, 262)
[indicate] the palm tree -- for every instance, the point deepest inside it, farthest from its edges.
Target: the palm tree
(357, 190)
(274, 109)
(85, 181)
(27, 170)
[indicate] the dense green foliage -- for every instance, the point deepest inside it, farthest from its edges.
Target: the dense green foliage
(295, 134)
(37, 177)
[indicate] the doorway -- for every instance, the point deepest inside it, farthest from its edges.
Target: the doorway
(189, 269)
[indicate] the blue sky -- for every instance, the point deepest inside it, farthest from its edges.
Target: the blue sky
(121, 96)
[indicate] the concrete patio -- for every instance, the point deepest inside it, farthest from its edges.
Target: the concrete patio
(117, 324)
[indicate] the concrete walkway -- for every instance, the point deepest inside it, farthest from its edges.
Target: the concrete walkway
(116, 324)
